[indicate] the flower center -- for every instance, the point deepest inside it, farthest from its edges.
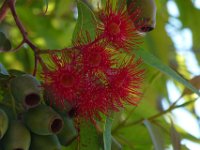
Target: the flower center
(68, 80)
(95, 59)
(114, 28)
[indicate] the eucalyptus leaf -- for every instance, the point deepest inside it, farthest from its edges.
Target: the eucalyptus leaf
(153, 61)
(85, 23)
(89, 138)
(107, 137)
(155, 135)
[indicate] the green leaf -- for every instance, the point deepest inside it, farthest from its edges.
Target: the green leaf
(5, 44)
(155, 135)
(86, 21)
(151, 60)
(89, 138)
(107, 137)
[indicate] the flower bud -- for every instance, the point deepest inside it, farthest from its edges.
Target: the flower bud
(68, 133)
(43, 120)
(44, 142)
(3, 123)
(26, 90)
(17, 137)
(147, 17)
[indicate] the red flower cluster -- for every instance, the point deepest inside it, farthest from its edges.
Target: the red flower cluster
(93, 77)
(117, 25)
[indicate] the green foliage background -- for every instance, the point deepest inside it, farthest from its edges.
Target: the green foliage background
(132, 127)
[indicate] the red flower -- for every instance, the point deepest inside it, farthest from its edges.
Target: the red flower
(125, 82)
(117, 26)
(110, 90)
(96, 57)
(92, 102)
(64, 79)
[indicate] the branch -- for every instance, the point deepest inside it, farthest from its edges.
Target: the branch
(48, 51)
(11, 5)
(18, 47)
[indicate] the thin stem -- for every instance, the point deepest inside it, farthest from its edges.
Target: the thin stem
(20, 26)
(18, 47)
(48, 51)
(36, 64)
(11, 4)
(152, 118)
(16, 18)
(42, 63)
(172, 107)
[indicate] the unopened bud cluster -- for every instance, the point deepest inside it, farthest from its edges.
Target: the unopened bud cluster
(29, 124)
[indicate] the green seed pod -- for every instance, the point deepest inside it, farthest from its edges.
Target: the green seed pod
(43, 120)
(68, 133)
(3, 123)
(44, 142)
(17, 137)
(26, 90)
(147, 17)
